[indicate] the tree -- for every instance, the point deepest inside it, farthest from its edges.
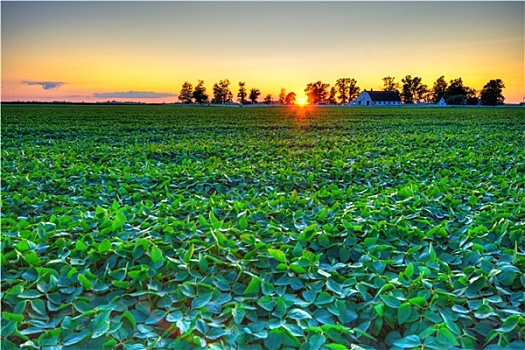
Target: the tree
(472, 99)
(221, 92)
(186, 93)
(439, 89)
(353, 90)
(254, 94)
(199, 94)
(459, 94)
(290, 99)
(342, 86)
(413, 90)
(217, 94)
(406, 92)
(389, 84)
(242, 92)
(282, 96)
(331, 97)
(491, 94)
(316, 92)
(268, 99)
(229, 97)
(347, 88)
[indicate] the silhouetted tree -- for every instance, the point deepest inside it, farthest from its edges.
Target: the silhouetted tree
(472, 99)
(347, 88)
(254, 95)
(331, 97)
(186, 93)
(342, 86)
(268, 99)
(199, 94)
(218, 96)
(439, 89)
(457, 93)
(242, 92)
(316, 92)
(389, 84)
(491, 94)
(354, 90)
(282, 96)
(290, 98)
(221, 91)
(413, 90)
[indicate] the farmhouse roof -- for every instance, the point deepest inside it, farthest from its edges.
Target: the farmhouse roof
(390, 96)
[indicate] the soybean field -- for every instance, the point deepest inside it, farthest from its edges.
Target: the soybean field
(166, 227)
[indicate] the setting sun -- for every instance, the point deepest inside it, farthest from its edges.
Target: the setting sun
(302, 101)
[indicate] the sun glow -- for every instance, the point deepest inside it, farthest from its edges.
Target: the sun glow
(302, 101)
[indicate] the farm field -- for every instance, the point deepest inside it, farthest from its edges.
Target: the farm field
(162, 227)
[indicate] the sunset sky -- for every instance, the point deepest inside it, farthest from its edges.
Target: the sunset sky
(145, 51)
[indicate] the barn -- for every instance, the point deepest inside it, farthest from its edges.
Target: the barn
(378, 98)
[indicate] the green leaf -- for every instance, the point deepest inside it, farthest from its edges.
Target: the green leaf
(120, 284)
(316, 341)
(419, 301)
(31, 274)
(49, 338)
(189, 254)
(155, 317)
(266, 302)
(298, 314)
(104, 246)
(280, 307)
(409, 271)
(243, 223)
(432, 253)
(297, 268)
(39, 306)
(199, 302)
(81, 246)
(297, 250)
(403, 313)
(509, 324)
(336, 346)
(238, 315)
(254, 286)
(155, 254)
(391, 301)
(8, 316)
(277, 255)
(216, 333)
(324, 298)
(84, 281)
(410, 341)
(129, 316)
(274, 340)
(379, 309)
(446, 338)
(32, 259)
(100, 324)
(30, 294)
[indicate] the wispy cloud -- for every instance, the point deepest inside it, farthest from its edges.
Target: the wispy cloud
(133, 94)
(46, 85)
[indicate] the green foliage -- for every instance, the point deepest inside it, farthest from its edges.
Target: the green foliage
(144, 227)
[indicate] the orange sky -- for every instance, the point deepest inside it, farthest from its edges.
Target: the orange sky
(98, 51)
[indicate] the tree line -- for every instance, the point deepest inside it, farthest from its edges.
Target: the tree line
(411, 90)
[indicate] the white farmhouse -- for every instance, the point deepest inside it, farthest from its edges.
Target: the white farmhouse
(378, 98)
